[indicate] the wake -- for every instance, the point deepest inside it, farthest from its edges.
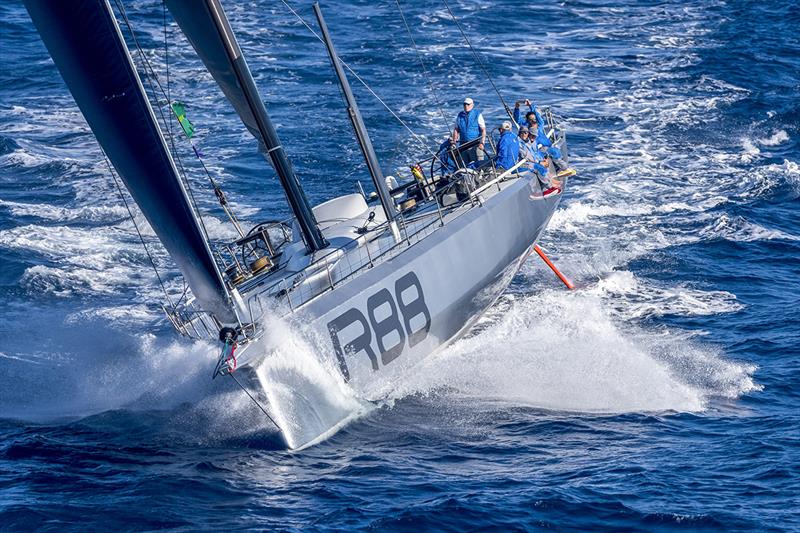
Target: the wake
(565, 352)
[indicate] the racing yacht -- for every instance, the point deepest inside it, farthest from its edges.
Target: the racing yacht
(376, 283)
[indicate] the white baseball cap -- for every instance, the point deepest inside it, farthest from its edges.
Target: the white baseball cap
(468, 101)
(507, 125)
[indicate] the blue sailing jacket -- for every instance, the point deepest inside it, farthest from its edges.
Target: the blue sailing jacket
(530, 152)
(507, 150)
(467, 123)
(541, 136)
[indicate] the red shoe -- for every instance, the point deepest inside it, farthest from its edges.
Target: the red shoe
(551, 190)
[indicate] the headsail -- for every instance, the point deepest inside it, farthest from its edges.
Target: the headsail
(205, 25)
(85, 42)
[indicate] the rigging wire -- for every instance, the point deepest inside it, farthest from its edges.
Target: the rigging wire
(424, 70)
(480, 63)
(169, 122)
(217, 189)
(416, 137)
(151, 77)
(258, 404)
(166, 55)
(136, 226)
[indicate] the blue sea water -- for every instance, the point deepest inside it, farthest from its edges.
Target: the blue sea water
(663, 394)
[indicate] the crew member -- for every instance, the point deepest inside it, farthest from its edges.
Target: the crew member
(536, 124)
(507, 148)
(470, 126)
(535, 159)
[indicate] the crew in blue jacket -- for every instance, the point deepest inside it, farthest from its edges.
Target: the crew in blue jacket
(507, 148)
(531, 154)
(468, 127)
(536, 123)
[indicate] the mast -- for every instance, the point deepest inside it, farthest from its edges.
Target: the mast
(86, 44)
(360, 129)
(205, 25)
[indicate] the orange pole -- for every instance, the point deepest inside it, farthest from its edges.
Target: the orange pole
(561, 276)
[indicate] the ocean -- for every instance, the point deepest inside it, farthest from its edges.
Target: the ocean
(661, 394)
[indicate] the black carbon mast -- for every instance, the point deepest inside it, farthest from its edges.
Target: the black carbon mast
(360, 129)
(86, 44)
(205, 25)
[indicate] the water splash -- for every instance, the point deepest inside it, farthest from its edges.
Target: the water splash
(565, 352)
(307, 394)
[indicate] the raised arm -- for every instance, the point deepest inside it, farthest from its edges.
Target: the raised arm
(535, 110)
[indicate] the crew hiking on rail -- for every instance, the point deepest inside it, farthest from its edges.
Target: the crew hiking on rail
(531, 145)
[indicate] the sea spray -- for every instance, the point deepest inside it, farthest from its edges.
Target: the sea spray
(307, 395)
(565, 352)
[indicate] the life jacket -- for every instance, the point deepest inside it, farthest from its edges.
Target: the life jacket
(468, 128)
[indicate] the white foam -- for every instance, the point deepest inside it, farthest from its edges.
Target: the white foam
(70, 281)
(23, 158)
(136, 315)
(60, 241)
(751, 151)
(632, 298)
(739, 229)
(566, 353)
(779, 137)
(94, 213)
(307, 395)
(101, 260)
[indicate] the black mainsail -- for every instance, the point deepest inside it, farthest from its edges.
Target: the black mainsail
(205, 25)
(85, 42)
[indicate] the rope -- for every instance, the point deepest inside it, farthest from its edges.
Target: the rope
(136, 226)
(151, 76)
(416, 137)
(424, 70)
(217, 189)
(258, 404)
(480, 63)
(166, 56)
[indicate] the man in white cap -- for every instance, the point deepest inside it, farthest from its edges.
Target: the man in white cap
(470, 126)
(507, 148)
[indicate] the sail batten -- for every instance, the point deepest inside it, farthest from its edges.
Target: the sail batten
(86, 44)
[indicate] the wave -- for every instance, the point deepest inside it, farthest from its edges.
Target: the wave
(565, 353)
(739, 229)
(89, 213)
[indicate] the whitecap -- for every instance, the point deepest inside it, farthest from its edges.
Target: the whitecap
(739, 229)
(779, 137)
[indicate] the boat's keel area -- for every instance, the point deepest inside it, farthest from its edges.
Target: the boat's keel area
(348, 347)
